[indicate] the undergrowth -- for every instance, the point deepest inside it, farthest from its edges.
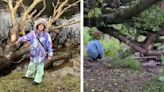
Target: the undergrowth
(153, 85)
(127, 62)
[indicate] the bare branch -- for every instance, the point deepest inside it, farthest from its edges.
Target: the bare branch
(24, 7)
(23, 24)
(18, 3)
(59, 10)
(44, 7)
(29, 9)
(71, 5)
(12, 11)
(5, 0)
(57, 4)
(27, 16)
(64, 25)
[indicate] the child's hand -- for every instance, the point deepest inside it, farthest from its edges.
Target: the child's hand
(49, 58)
(17, 44)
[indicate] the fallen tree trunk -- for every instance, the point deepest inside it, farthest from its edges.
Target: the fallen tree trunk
(12, 56)
(133, 44)
(7, 65)
(64, 56)
(119, 17)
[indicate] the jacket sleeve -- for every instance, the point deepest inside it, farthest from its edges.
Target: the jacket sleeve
(100, 48)
(49, 45)
(27, 37)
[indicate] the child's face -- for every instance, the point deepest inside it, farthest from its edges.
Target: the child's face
(41, 27)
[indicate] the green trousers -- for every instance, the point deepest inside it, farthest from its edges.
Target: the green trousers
(37, 69)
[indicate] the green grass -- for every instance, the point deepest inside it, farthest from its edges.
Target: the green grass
(14, 83)
(86, 36)
(111, 45)
(127, 62)
(153, 86)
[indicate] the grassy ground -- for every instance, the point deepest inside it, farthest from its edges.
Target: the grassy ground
(153, 85)
(66, 79)
(14, 83)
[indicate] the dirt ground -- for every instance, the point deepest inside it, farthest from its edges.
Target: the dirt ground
(99, 78)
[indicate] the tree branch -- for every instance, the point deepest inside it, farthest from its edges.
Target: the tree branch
(5, 0)
(64, 25)
(44, 7)
(59, 10)
(17, 4)
(71, 5)
(146, 51)
(113, 32)
(119, 17)
(29, 9)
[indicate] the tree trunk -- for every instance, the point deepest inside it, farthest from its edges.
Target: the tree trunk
(133, 44)
(119, 17)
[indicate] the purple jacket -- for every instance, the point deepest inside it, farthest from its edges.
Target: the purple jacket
(37, 51)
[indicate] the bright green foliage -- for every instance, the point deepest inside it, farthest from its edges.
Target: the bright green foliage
(93, 29)
(132, 3)
(112, 46)
(95, 12)
(162, 59)
(86, 32)
(125, 30)
(150, 19)
(86, 36)
(161, 78)
(100, 1)
(132, 63)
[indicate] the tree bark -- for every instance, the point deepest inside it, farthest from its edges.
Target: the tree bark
(133, 44)
(119, 17)
(149, 39)
(57, 58)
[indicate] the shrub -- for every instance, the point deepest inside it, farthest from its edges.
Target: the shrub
(112, 46)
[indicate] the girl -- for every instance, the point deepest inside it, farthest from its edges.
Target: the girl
(40, 45)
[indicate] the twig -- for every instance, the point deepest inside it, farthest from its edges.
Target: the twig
(67, 24)
(5, 0)
(146, 57)
(71, 5)
(44, 7)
